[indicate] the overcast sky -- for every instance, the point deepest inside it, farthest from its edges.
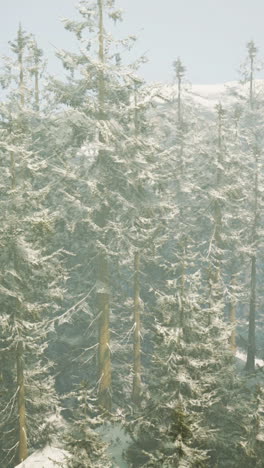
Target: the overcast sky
(208, 35)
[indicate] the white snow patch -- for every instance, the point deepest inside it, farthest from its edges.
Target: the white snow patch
(118, 440)
(48, 457)
(243, 357)
(207, 96)
(210, 95)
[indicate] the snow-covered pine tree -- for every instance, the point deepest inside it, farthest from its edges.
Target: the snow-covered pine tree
(96, 95)
(254, 133)
(248, 138)
(30, 275)
(105, 163)
(199, 418)
(142, 219)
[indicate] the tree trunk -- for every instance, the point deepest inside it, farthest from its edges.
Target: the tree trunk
(21, 67)
(22, 446)
(13, 170)
(251, 352)
(101, 82)
(182, 322)
(180, 124)
(36, 74)
(232, 317)
(251, 81)
(217, 292)
(104, 356)
(137, 348)
(103, 297)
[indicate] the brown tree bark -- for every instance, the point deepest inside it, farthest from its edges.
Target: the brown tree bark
(103, 296)
(104, 355)
(137, 344)
(22, 446)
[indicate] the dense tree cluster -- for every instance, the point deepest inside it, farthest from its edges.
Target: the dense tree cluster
(131, 259)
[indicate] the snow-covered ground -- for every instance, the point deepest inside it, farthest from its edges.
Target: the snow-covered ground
(243, 357)
(48, 457)
(118, 440)
(52, 457)
(210, 95)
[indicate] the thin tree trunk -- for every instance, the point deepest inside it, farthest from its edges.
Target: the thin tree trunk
(216, 274)
(136, 389)
(22, 447)
(180, 124)
(101, 87)
(104, 357)
(232, 318)
(36, 74)
(251, 81)
(21, 69)
(182, 324)
(103, 297)
(179, 102)
(251, 352)
(137, 345)
(36, 53)
(13, 170)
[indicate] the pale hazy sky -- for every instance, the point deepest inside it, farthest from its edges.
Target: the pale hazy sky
(208, 35)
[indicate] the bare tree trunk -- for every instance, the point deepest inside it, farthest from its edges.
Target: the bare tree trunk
(36, 76)
(101, 86)
(217, 293)
(137, 345)
(179, 110)
(22, 447)
(232, 318)
(21, 68)
(251, 81)
(182, 321)
(13, 170)
(251, 352)
(104, 356)
(180, 74)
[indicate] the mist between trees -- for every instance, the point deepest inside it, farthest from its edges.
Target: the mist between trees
(131, 260)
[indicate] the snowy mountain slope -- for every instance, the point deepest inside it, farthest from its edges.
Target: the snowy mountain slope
(210, 95)
(207, 96)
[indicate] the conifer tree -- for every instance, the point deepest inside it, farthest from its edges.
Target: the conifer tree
(252, 138)
(29, 287)
(103, 108)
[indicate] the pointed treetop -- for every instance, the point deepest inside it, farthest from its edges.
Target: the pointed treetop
(179, 68)
(252, 49)
(21, 40)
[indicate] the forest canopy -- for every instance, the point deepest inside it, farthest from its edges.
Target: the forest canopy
(131, 259)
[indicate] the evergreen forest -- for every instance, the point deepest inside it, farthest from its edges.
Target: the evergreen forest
(131, 259)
